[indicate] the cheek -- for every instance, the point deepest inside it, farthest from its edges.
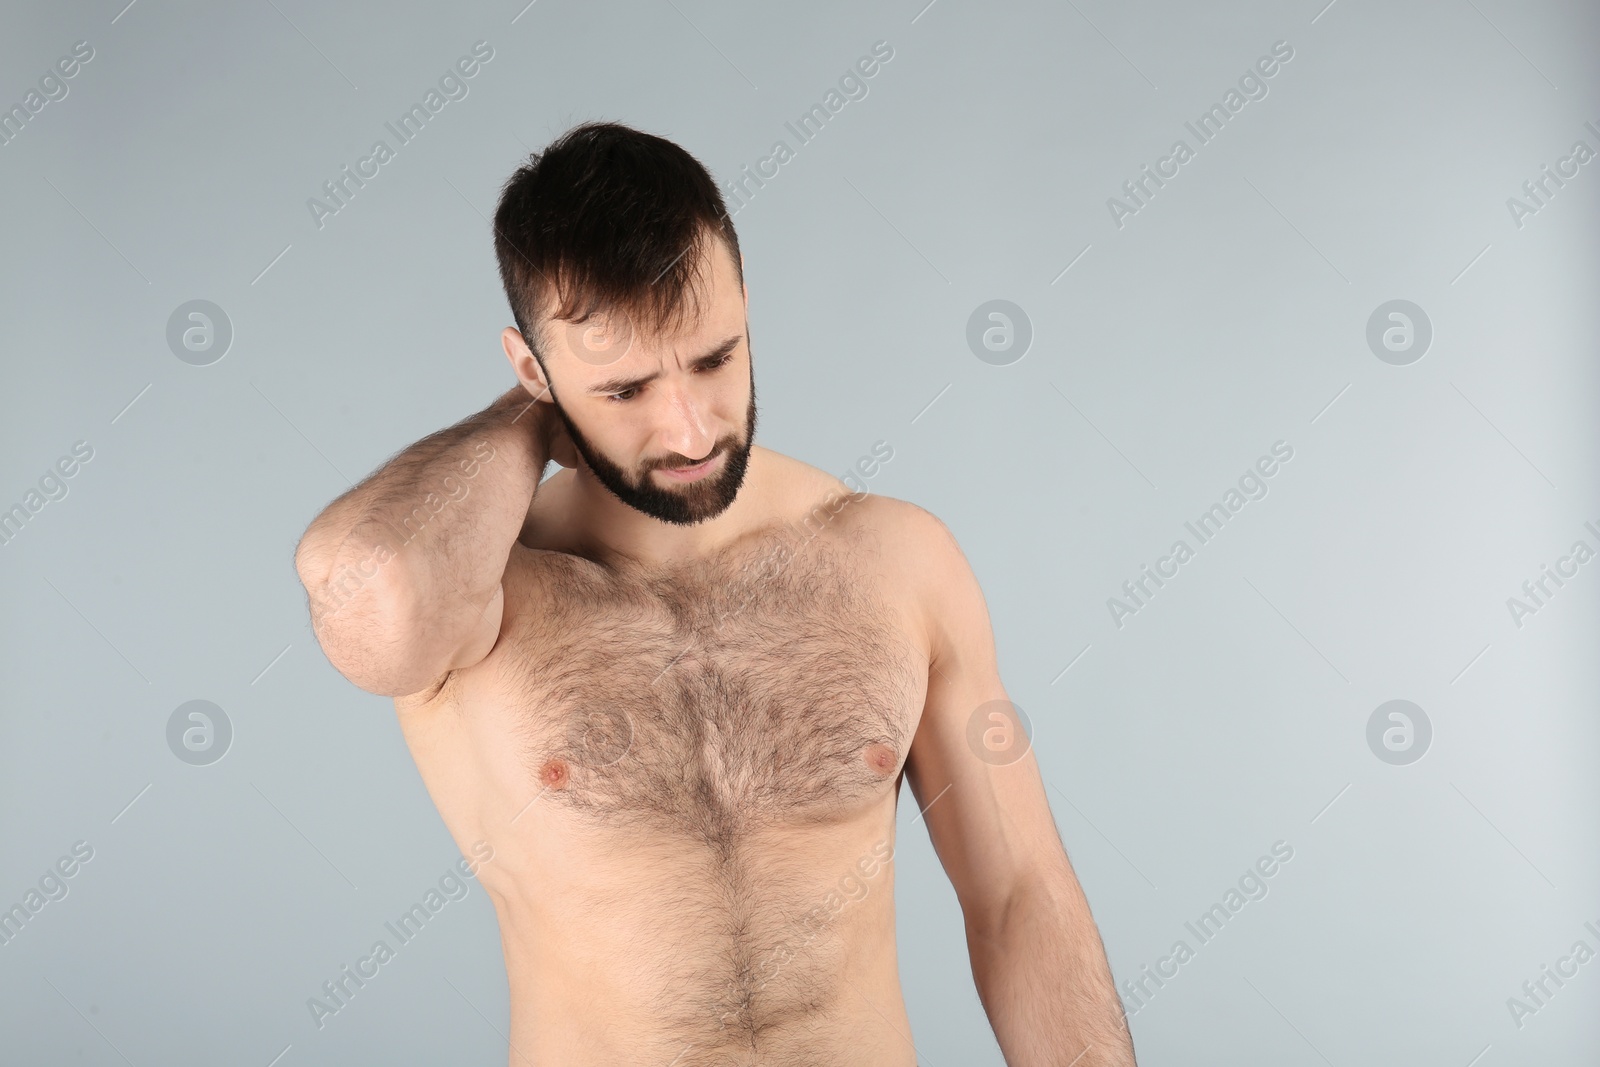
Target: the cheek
(733, 402)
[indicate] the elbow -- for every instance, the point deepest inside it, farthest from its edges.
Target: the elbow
(362, 646)
(984, 915)
(361, 620)
(345, 579)
(1043, 889)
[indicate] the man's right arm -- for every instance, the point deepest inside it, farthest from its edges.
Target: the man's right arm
(403, 571)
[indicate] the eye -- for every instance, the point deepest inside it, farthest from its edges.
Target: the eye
(628, 394)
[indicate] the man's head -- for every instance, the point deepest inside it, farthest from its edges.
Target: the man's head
(624, 276)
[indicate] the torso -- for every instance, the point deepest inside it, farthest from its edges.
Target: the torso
(689, 781)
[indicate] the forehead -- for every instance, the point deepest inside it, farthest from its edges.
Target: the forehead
(609, 341)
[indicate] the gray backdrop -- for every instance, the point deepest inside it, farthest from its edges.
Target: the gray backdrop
(1158, 341)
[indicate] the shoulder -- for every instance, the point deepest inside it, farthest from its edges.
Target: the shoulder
(808, 496)
(924, 560)
(917, 547)
(910, 549)
(937, 588)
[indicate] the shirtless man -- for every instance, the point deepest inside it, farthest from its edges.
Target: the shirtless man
(675, 690)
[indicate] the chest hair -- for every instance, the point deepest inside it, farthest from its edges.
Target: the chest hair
(775, 685)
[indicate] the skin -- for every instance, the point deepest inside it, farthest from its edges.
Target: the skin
(684, 742)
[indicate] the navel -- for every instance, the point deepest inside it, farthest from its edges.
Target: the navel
(553, 774)
(880, 757)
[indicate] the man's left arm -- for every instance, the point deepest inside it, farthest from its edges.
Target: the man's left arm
(1037, 958)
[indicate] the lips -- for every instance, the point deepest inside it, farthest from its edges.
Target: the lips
(699, 470)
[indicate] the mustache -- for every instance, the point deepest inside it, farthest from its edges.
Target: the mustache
(672, 465)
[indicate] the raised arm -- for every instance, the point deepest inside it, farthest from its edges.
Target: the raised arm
(1037, 958)
(403, 571)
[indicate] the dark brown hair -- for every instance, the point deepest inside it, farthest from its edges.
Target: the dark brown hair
(608, 218)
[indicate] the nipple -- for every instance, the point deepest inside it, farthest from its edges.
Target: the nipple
(554, 774)
(880, 757)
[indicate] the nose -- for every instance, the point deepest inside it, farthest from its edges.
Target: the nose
(687, 427)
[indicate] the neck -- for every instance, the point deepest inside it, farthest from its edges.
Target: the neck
(620, 531)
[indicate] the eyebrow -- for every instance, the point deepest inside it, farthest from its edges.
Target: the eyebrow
(618, 385)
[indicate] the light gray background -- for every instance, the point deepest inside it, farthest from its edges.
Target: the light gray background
(1228, 314)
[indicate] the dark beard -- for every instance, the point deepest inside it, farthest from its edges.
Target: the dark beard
(696, 501)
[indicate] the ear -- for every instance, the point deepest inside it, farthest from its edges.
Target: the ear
(524, 365)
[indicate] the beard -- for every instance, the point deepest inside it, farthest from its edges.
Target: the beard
(691, 503)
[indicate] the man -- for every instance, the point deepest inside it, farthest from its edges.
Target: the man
(675, 689)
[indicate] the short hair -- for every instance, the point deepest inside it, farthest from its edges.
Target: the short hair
(608, 218)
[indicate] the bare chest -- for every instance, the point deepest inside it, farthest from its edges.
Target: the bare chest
(778, 687)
